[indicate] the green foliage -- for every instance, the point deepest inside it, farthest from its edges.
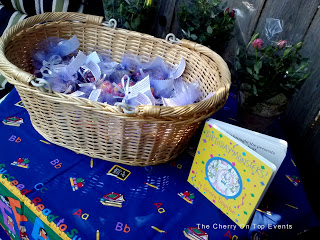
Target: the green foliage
(205, 22)
(135, 15)
(271, 70)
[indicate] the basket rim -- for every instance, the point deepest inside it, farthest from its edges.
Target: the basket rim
(21, 77)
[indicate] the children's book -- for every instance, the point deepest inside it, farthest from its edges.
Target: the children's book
(233, 168)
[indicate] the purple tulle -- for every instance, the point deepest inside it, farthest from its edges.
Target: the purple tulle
(98, 78)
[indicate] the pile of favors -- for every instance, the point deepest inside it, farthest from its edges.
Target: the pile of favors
(98, 78)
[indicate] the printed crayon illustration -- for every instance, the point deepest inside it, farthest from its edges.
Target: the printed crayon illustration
(158, 230)
(188, 197)
(294, 179)
(21, 162)
(76, 183)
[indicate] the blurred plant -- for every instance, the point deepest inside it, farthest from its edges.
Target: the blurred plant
(266, 72)
(135, 15)
(205, 22)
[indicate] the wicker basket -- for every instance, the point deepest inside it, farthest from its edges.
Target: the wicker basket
(150, 135)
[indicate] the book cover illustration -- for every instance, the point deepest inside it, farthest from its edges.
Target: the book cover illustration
(112, 199)
(229, 175)
(194, 233)
(12, 121)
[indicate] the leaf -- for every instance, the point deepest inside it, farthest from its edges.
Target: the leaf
(303, 67)
(136, 23)
(209, 30)
(254, 89)
(184, 32)
(193, 37)
(237, 51)
(126, 25)
(238, 65)
(249, 71)
(203, 38)
(257, 66)
(254, 36)
(305, 77)
(287, 52)
(304, 60)
(223, 5)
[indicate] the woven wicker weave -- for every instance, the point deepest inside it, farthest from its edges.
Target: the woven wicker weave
(151, 135)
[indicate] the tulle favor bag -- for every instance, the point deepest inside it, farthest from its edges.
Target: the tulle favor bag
(142, 136)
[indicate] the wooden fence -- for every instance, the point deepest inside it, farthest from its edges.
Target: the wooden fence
(300, 20)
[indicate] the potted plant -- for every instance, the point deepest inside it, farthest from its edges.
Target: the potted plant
(269, 76)
(135, 15)
(207, 23)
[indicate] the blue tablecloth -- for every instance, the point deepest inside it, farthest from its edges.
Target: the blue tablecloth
(152, 208)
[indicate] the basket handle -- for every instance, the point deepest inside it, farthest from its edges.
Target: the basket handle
(222, 65)
(10, 69)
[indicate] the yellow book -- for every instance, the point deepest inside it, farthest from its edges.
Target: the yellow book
(233, 168)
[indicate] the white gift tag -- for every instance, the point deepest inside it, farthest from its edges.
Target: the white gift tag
(77, 94)
(86, 85)
(68, 90)
(93, 57)
(150, 96)
(142, 86)
(68, 46)
(179, 69)
(143, 99)
(95, 70)
(74, 66)
(94, 95)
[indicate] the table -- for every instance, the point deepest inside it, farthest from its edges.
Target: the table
(49, 192)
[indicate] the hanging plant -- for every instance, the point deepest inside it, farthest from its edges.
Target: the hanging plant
(207, 23)
(135, 15)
